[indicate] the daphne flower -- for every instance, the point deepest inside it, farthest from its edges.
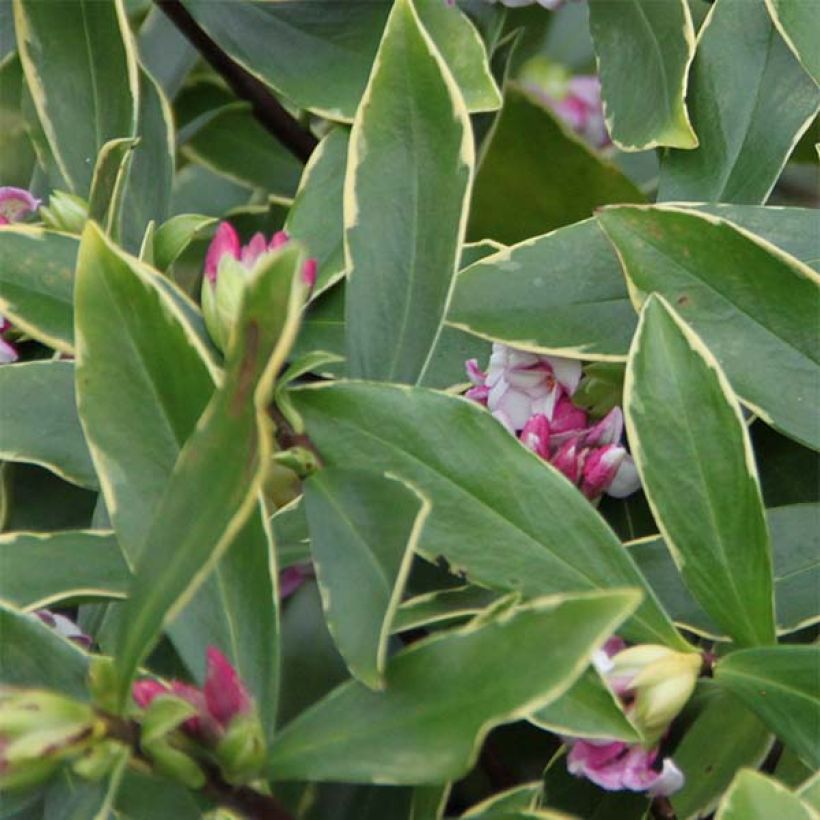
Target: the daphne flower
(228, 264)
(654, 683)
(519, 384)
(16, 204)
(65, 627)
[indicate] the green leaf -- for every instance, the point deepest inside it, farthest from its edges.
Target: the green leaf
(224, 459)
(518, 526)
(791, 229)
(290, 534)
(142, 362)
(147, 796)
(410, 141)
(644, 48)
(33, 655)
(562, 293)
(316, 217)
(461, 47)
(525, 796)
(362, 558)
(38, 420)
(338, 39)
(750, 101)
(147, 194)
(445, 693)
(588, 709)
(17, 157)
(233, 144)
(752, 796)
(704, 266)
(165, 53)
(36, 284)
(779, 684)
(724, 737)
(107, 183)
(81, 70)
(71, 797)
(138, 362)
(40, 569)
(795, 531)
(458, 603)
(174, 236)
(523, 189)
(799, 25)
(692, 450)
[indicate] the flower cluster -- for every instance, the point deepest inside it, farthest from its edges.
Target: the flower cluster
(222, 698)
(653, 683)
(228, 264)
(65, 627)
(531, 395)
(15, 205)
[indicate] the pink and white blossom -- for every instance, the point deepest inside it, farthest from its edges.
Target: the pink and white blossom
(16, 204)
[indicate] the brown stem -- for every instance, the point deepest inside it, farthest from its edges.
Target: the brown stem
(246, 801)
(266, 108)
(662, 809)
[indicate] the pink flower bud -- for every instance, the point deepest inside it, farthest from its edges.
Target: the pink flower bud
(608, 430)
(567, 417)
(225, 695)
(309, 271)
(536, 435)
(569, 460)
(225, 241)
(278, 240)
(144, 691)
(292, 578)
(600, 467)
(16, 204)
(253, 250)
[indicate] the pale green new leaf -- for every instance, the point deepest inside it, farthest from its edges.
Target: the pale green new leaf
(588, 709)
(108, 181)
(692, 450)
(39, 423)
(518, 526)
(173, 236)
(754, 306)
(363, 530)
(444, 694)
(781, 685)
(37, 283)
(750, 100)
(753, 796)
(410, 141)
(81, 69)
(644, 48)
(41, 569)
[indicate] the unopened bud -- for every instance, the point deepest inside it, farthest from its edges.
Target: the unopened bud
(65, 212)
(241, 751)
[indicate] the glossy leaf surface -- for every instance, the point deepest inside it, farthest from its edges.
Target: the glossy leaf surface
(644, 48)
(750, 102)
(779, 684)
(362, 558)
(693, 453)
(754, 307)
(402, 259)
(427, 734)
(39, 423)
(553, 540)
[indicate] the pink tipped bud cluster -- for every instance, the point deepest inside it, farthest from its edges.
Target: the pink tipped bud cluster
(222, 698)
(15, 204)
(227, 266)
(226, 244)
(531, 395)
(653, 683)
